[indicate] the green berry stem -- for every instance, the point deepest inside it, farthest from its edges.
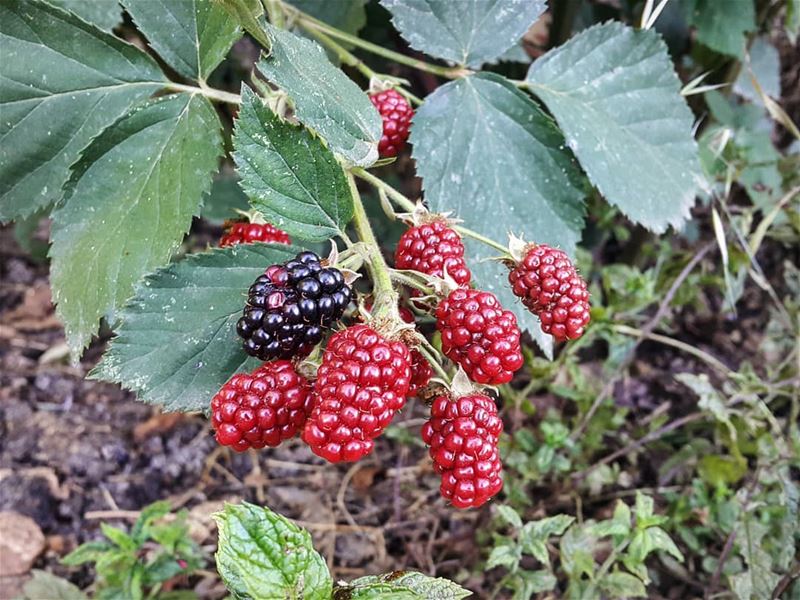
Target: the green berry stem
(386, 297)
(308, 22)
(434, 363)
(408, 205)
(210, 93)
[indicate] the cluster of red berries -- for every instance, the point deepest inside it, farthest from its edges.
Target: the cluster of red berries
(366, 374)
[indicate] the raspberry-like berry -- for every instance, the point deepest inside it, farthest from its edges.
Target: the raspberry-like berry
(462, 434)
(262, 408)
(362, 382)
(396, 113)
(289, 306)
(479, 335)
(430, 248)
(550, 287)
(245, 233)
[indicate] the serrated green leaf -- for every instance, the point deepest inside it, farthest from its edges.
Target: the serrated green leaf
(622, 585)
(118, 537)
(325, 99)
(263, 555)
(45, 585)
(765, 65)
(105, 14)
(177, 343)
(150, 513)
(127, 206)
(721, 26)
(457, 134)
(289, 175)
(402, 585)
(615, 95)
(468, 32)
(576, 547)
(64, 81)
(192, 36)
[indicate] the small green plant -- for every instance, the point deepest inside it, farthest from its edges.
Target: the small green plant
(262, 555)
(626, 540)
(138, 564)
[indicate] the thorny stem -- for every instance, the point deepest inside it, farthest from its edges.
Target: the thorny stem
(386, 297)
(401, 277)
(308, 22)
(210, 93)
(408, 205)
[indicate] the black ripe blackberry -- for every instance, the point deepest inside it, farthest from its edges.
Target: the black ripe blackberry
(289, 306)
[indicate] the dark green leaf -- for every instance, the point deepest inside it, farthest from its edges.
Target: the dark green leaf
(468, 32)
(325, 99)
(642, 158)
(106, 14)
(458, 135)
(289, 175)
(192, 36)
(64, 81)
(263, 555)
(177, 342)
(43, 586)
(247, 13)
(721, 26)
(225, 197)
(127, 206)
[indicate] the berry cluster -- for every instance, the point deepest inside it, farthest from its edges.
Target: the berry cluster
(479, 335)
(362, 382)
(462, 434)
(262, 408)
(396, 113)
(244, 233)
(550, 287)
(433, 248)
(289, 306)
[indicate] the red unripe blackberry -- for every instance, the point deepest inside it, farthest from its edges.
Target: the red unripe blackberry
(245, 233)
(362, 382)
(430, 248)
(396, 113)
(262, 408)
(481, 336)
(289, 306)
(551, 288)
(462, 434)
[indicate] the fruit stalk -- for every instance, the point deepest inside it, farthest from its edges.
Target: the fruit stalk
(386, 298)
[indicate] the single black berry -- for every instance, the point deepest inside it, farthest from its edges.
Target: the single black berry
(290, 305)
